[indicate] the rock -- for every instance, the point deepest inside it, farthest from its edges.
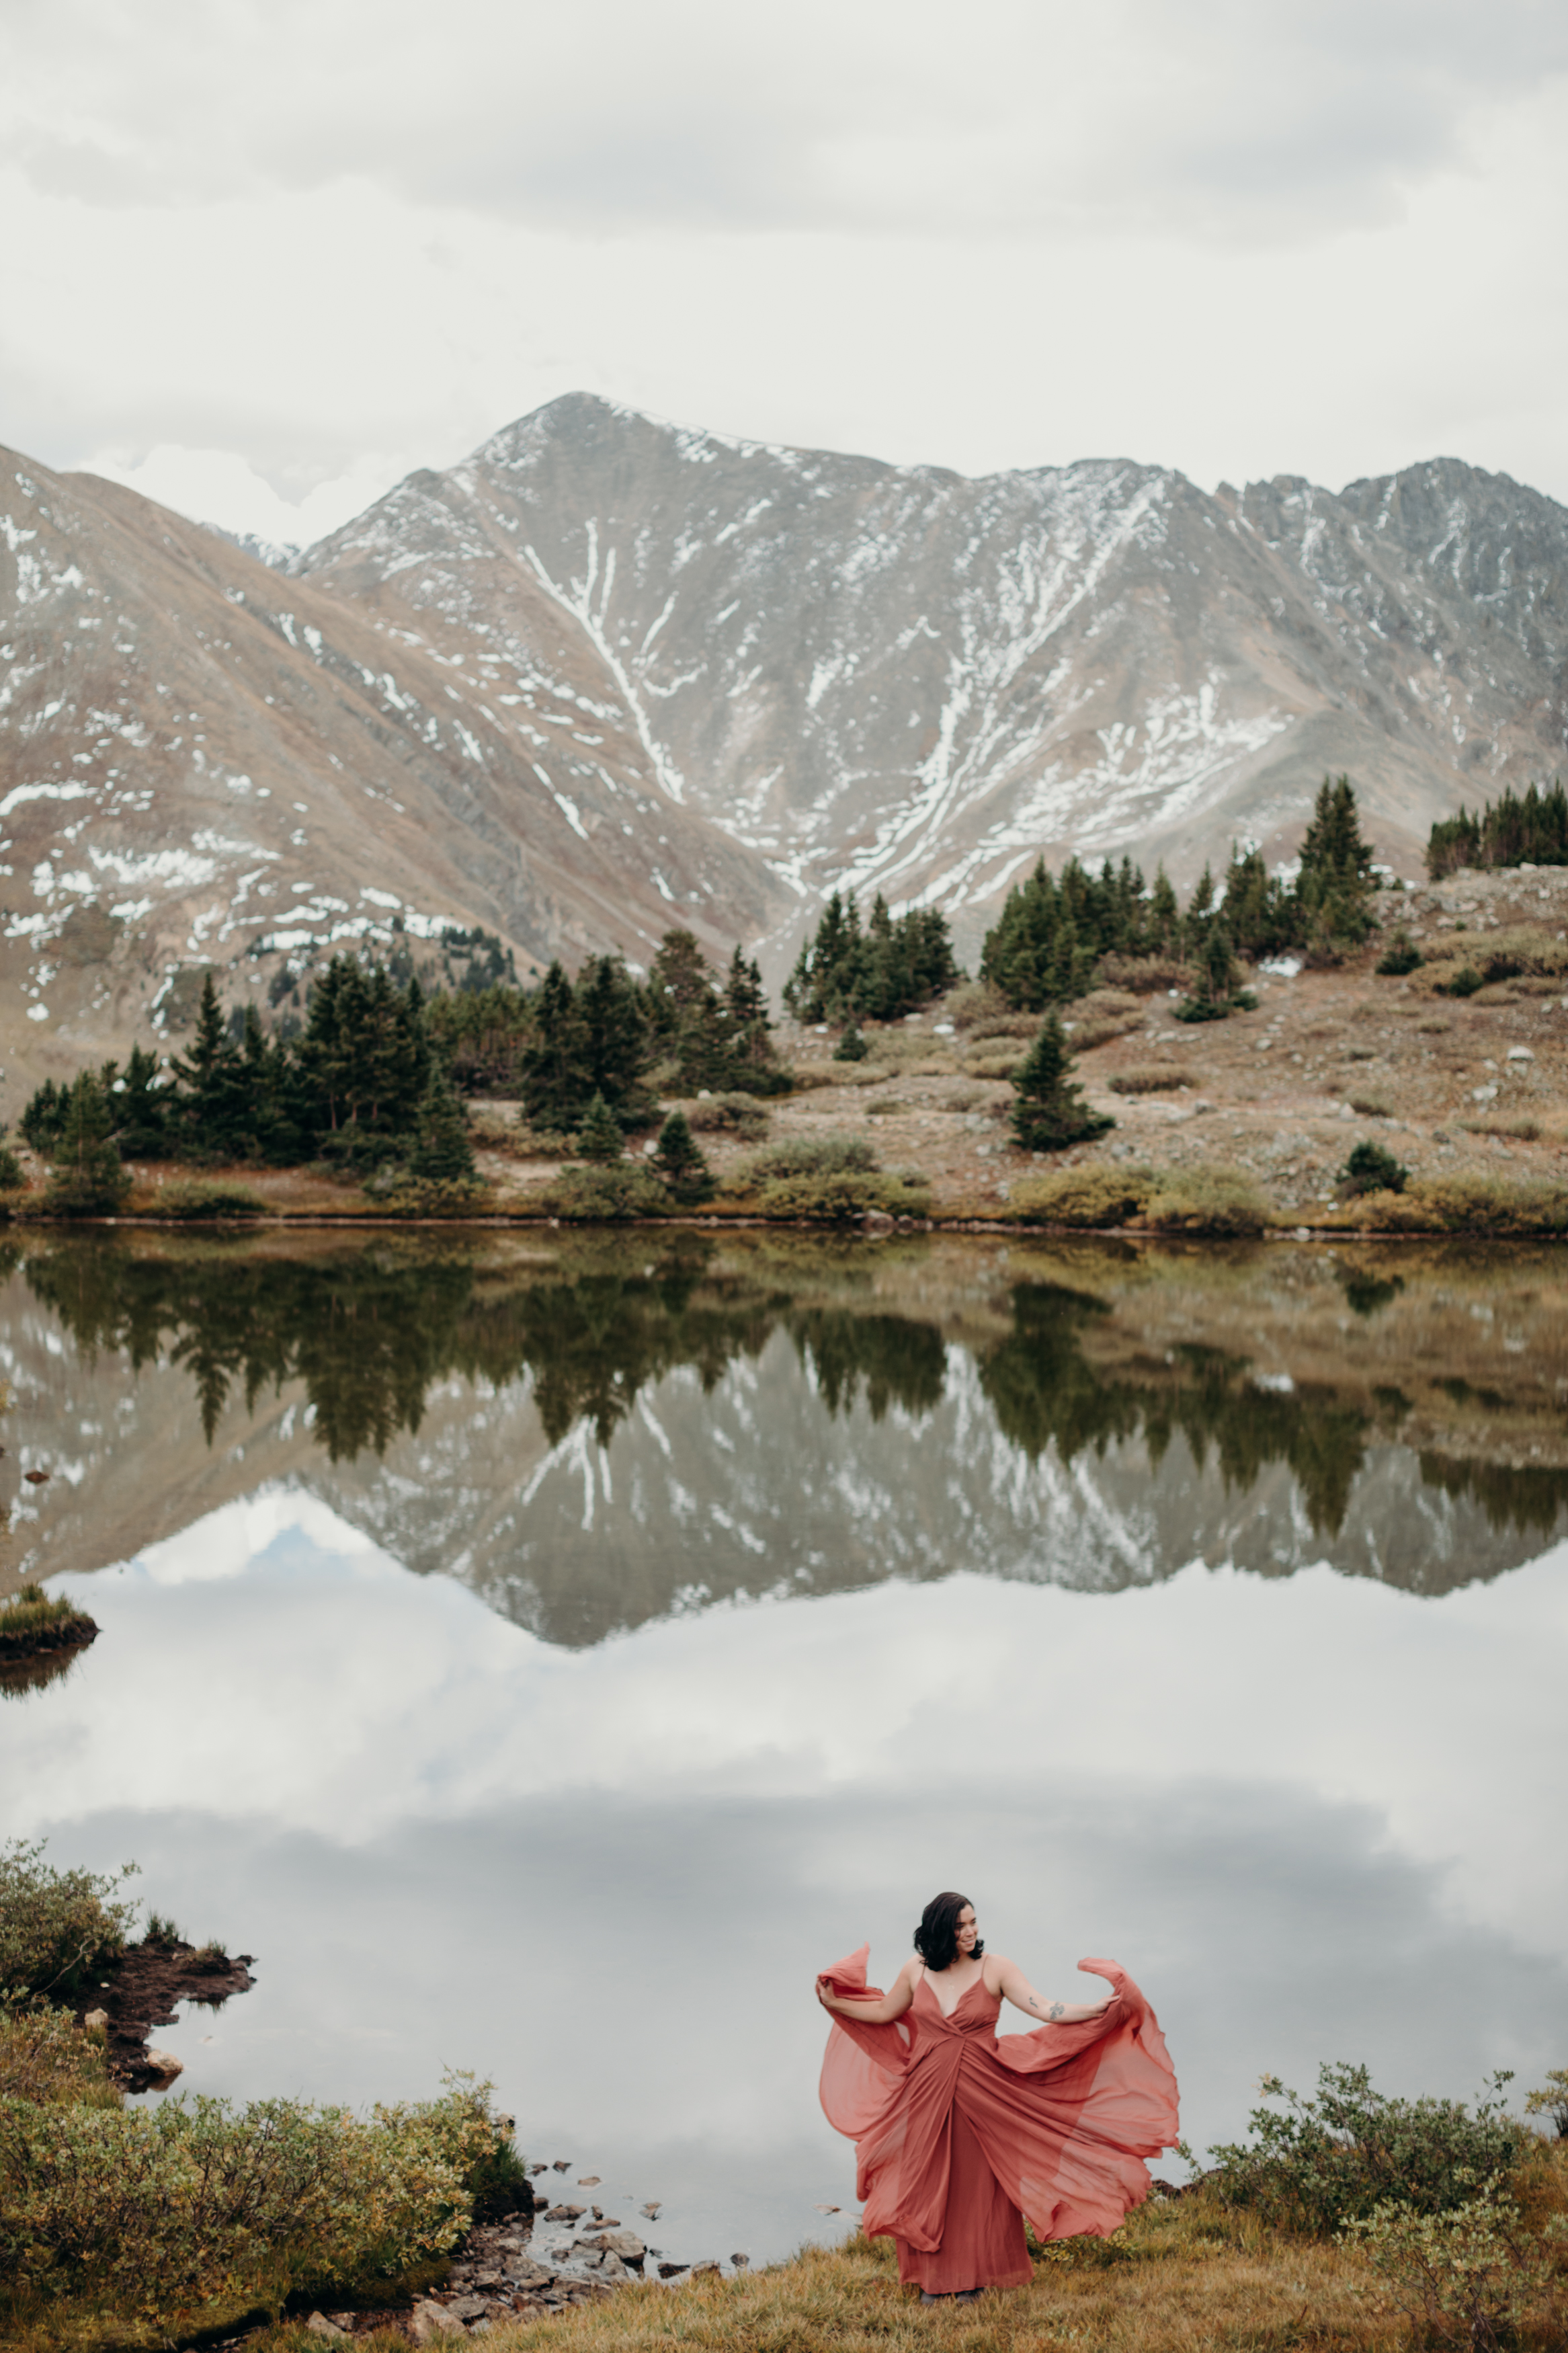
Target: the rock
(470, 2307)
(651, 2209)
(741, 2262)
(828, 2210)
(562, 2165)
(96, 2021)
(1519, 1054)
(163, 2066)
(35, 1478)
(525, 2273)
(430, 2320)
(672, 2271)
(700, 2271)
(565, 2213)
(624, 2244)
(319, 2325)
(589, 2181)
(598, 2210)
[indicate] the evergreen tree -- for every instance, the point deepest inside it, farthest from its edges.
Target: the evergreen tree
(44, 1117)
(442, 1152)
(1335, 885)
(214, 1107)
(615, 1039)
(1050, 1111)
(680, 1162)
(851, 1046)
(553, 1075)
(753, 1065)
(600, 1137)
(140, 1109)
(89, 1179)
(893, 966)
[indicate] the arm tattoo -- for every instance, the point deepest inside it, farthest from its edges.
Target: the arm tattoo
(1054, 2010)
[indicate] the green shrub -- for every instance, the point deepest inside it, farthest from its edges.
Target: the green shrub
(851, 1046)
(728, 1114)
(1092, 1197)
(1521, 1131)
(993, 1066)
(605, 1196)
(1372, 1168)
(811, 1155)
(1370, 1107)
(1465, 2276)
(1149, 1079)
(167, 2208)
(840, 1197)
(1320, 2164)
(56, 1927)
(12, 1176)
(192, 1197)
(1206, 1201)
(1400, 956)
(1466, 982)
(1551, 2100)
(48, 2058)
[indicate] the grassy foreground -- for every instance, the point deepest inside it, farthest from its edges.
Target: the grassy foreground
(1183, 2275)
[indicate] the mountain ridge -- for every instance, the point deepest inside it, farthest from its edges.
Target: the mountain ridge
(609, 674)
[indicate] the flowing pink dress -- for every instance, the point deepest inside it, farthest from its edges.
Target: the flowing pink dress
(959, 2132)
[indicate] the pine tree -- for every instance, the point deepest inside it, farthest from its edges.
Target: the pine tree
(553, 1073)
(214, 1109)
(1335, 886)
(615, 1040)
(1050, 1111)
(680, 1162)
(600, 1137)
(89, 1178)
(140, 1109)
(851, 1046)
(442, 1153)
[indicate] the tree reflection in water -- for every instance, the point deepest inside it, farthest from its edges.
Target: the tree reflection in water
(370, 1327)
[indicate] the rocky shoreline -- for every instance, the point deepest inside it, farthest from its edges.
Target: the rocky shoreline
(529, 2264)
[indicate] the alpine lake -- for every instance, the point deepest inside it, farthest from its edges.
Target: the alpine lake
(546, 1651)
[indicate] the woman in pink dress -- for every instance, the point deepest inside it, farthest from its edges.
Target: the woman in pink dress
(960, 2133)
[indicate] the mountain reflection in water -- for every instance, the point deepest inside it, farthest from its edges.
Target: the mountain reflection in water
(595, 1429)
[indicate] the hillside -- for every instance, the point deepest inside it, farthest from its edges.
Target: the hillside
(609, 674)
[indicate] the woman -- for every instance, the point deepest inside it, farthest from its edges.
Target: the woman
(962, 2133)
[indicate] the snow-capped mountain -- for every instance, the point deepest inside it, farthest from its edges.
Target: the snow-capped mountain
(609, 674)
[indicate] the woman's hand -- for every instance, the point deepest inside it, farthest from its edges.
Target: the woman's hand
(825, 1994)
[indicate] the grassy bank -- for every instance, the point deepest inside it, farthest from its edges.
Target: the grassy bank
(1183, 2275)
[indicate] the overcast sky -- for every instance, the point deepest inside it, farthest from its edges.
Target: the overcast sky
(263, 257)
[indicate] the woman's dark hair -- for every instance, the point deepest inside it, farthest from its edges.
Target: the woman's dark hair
(936, 1938)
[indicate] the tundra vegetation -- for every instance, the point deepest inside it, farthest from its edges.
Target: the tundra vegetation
(140, 2227)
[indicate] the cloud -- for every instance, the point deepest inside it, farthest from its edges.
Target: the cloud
(1209, 119)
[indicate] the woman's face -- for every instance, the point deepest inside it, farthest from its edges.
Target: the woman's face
(966, 1932)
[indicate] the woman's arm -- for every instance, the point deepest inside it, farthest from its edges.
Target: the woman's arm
(1011, 1981)
(872, 2013)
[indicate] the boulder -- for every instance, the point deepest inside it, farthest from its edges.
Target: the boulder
(96, 2021)
(431, 2321)
(470, 2307)
(624, 2244)
(565, 2213)
(319, 2325)
(163, 2066)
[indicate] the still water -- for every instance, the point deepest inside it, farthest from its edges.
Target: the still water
(544, 1654)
